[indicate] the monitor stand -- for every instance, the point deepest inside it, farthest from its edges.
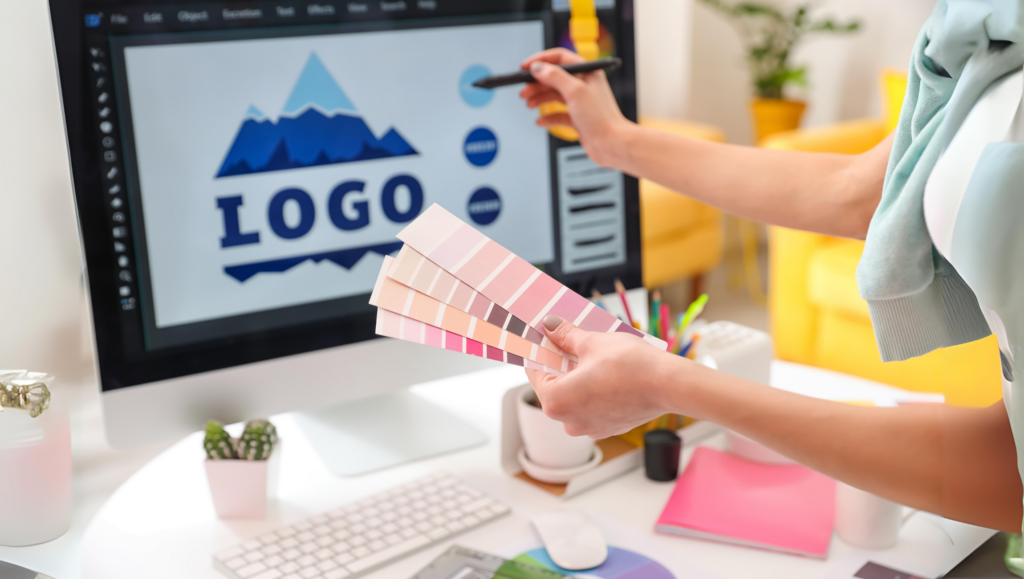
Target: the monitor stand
(374, 433)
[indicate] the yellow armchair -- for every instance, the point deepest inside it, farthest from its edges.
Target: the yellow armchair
(681, 238)
(817, 314)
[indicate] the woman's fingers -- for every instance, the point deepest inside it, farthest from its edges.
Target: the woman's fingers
(557, 78)
(567, 336)
(554, 56)
(557, 119)
(546, 96)
(541, 382)
(537, 377)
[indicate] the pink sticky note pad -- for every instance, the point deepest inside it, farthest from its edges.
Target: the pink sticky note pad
(721, 497)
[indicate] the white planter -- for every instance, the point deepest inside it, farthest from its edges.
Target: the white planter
(35, 477)
(546, 442)
(241, 488)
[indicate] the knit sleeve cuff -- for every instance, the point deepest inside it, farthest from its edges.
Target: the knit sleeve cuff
(945, 313)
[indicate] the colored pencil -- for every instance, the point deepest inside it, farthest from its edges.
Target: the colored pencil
(598, 299)
(690, 351)
(664, 319)
(655, 313)
(679, 333)
(621, 290)
(695, 309)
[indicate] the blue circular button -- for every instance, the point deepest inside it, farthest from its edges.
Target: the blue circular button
(481, 147)
(473, 96)
(484, 206)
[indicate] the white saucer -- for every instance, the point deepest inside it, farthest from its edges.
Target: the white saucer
(557, 475)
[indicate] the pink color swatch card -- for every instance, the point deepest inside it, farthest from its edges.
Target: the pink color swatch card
(504, 278)
(412, 269)
(721, 497)
(392, 325)
(390, 295)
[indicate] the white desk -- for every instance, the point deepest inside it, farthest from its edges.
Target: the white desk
(161, 524)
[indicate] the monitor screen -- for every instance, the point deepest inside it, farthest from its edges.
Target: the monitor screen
(241, 169)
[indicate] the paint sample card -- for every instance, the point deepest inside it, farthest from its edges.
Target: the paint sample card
(591, 212)
(503, 277)
(390, 295)
(392, 325)
(412, 269)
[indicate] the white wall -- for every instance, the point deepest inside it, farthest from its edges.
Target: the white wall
(843, 69)
(663, 46)
(41, 297)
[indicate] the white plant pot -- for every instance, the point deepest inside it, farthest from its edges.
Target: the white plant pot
(242, 488)
(546, 442)
(35, 477)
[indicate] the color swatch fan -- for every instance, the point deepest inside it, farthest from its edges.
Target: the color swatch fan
(452, 287)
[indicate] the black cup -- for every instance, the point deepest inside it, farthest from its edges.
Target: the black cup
(661, 455)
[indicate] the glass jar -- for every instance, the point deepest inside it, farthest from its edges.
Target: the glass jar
(35, 461)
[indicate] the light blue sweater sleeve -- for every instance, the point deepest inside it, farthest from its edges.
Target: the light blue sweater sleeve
(917, 301)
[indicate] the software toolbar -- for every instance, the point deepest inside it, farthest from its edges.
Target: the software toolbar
(205, 17)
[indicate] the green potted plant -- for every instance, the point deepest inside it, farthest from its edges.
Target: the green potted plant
(242, 471)
(769, 35)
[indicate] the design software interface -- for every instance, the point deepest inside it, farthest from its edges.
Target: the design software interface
(256, 161)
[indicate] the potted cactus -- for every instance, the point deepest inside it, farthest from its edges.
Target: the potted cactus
(242, 471)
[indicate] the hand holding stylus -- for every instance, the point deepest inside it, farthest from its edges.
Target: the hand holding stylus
(605, 64)
(593, 111)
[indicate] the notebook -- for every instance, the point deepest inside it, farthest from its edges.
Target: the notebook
(721, 497)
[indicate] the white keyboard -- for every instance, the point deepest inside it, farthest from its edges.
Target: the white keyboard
(358, 538)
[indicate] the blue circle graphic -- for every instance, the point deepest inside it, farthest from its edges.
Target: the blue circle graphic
(481, 147)
(484, 206)
(475, 97)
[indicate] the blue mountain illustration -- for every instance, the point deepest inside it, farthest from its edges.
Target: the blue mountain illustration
(318, 126)
(346, 258)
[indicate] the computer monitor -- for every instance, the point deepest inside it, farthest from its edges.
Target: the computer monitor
(242, 167)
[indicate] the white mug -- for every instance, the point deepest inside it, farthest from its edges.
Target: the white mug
(865, 520)
(545, 439)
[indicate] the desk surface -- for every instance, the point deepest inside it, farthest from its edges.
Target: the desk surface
(161, 523)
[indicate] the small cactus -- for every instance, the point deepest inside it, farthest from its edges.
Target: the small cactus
(257, 440)
(218, 443)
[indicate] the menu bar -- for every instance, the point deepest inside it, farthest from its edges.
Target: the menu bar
(136, 19)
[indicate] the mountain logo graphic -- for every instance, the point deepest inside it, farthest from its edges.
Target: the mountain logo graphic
(318, 126)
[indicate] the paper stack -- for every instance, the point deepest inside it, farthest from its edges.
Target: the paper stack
(451, 287)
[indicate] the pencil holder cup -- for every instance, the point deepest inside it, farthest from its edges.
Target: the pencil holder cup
(545, 440)
(241, 488)
(35, 468)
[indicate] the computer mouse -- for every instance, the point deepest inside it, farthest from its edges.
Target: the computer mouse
(572, 540)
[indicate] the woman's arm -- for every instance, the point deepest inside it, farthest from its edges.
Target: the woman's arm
(826, 193)
(957, 462)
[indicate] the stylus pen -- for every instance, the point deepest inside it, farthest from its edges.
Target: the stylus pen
(522, 76)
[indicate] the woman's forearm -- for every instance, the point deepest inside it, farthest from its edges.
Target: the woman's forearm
(825, 193)
(957, 462)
